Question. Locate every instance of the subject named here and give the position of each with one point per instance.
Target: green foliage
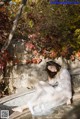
(77, 38)
(51, 27)
(57, 24)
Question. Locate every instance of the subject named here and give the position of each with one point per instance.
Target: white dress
(47, 97)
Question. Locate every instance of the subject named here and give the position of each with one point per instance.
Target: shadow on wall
(4, 107)
(74, 113)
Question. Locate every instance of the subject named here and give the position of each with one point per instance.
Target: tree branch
(7, 43)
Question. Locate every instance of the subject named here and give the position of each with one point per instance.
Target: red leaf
(53, 54)
(30, 46)
(72, 57)
(36, 61)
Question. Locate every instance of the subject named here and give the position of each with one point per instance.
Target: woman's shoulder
(64, 70)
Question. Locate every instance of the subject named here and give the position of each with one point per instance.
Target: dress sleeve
(65, 82)
(46, 87)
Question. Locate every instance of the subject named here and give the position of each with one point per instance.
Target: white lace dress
(49, 95)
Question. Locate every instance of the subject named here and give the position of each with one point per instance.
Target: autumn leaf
(53, 54)
(29, 46)
(36, 60)
(78, 55)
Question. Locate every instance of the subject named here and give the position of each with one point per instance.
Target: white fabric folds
(49, 96)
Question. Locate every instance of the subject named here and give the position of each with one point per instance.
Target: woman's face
(52, 68)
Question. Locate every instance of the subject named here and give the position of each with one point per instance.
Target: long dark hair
(52, 63)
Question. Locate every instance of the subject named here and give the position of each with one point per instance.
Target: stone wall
(20, 75)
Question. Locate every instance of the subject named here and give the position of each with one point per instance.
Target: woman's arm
(65, 82)
(47, 88)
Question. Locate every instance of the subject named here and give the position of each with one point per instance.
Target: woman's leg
(20, 109)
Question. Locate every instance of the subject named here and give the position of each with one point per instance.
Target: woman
(49, 95)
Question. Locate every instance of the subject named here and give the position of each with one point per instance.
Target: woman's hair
(52, 63)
